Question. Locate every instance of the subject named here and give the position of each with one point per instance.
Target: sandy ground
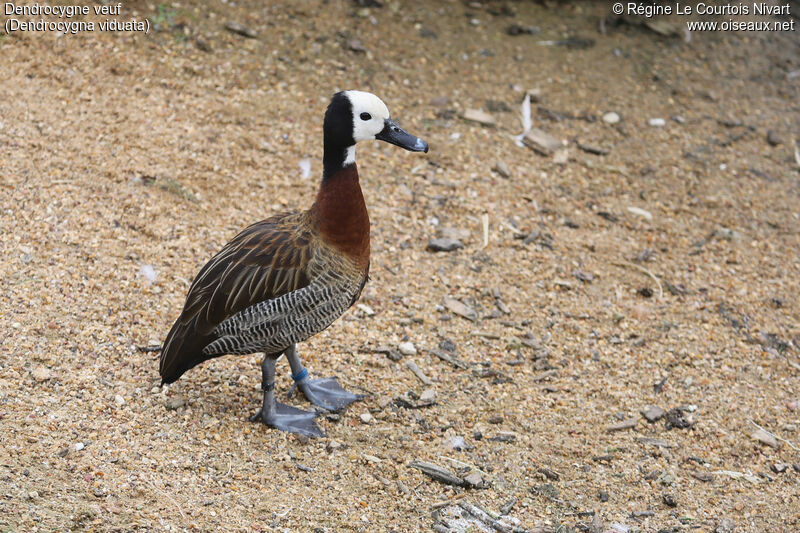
(127, 160)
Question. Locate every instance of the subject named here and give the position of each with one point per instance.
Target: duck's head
(355, 116)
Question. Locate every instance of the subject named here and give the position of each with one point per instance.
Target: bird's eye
(365, 116)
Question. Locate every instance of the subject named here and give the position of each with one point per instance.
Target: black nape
(337, 134)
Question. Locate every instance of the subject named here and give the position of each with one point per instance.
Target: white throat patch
(350, 155)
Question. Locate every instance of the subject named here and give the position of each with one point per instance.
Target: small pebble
(657, 122)
(611, 118)
(444, 245)
(765, 437)
(773, 138)
(174, 403)
(407, 348)
(502, 169)
(653, 414)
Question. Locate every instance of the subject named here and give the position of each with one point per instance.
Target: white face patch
(369, 113)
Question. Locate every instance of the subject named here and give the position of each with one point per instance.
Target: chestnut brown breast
(341, 215)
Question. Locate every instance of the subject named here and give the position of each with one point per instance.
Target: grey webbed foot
(288, 418)
(327, 393)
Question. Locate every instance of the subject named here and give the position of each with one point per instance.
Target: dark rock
(202, 45)
(517, 29)
(645, 292)
(669, 500)
(678, 418)
(779, 468)
(497, 106)
(444, 245)
(773, 138)
(239, 29)
(428, 34)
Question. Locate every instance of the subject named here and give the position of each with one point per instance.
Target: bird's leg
(324, 392)
(279, 416)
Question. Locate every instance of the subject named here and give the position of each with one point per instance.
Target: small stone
(647, 215)
(427, 396)
(240, 29)
(366, 418)
(33, 495)
(611, 118)
(726, 525)
(657, 122)
(773, 138)
(174, 403)
(705, 477)
(364, 308)
(459, 308)
(541, 142)
(501, 168)
(473, 480)
(677, 418)
(596, 526)
(203, 45)
(334, 445)
(518, 29)
(653, 413)
(592, 149)
(765, 437)
(497, 106)
(504, 436)
(119, 400)
(479, 116)
(444, 245)
(407, 348)
(440, 101)
(625, 424)
(779, 468)
(669, 500)
(666, 479)
(458, 443)
(356, 45)
(42, 373)
(603, 495)
(495, 419)
(549, 474)
(79, 446)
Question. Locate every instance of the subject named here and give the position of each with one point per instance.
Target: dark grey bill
(394, 134)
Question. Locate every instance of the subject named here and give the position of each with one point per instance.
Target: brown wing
(266, 260)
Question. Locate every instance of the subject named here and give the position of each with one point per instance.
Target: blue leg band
(300, 376)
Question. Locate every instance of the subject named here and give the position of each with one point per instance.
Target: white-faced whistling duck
(288, 277)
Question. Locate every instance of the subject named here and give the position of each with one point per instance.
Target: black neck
(333, 160)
